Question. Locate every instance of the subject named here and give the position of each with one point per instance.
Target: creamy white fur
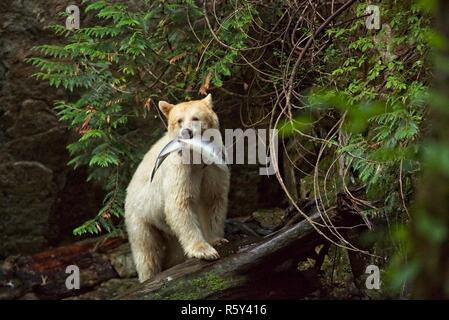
(182, 211)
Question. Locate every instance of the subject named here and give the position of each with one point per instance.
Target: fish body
(211, 153)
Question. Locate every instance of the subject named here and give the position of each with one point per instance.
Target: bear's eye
(179, 121)
(195, 119)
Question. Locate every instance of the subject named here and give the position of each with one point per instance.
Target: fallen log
(268, 269)
(43, 275)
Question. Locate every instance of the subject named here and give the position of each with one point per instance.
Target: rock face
(28, 193)
(35, 181)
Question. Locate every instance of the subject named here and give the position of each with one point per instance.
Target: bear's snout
(186, 133)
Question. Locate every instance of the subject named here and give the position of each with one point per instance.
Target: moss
(193, 288)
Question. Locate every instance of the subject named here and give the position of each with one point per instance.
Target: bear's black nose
(186, 134)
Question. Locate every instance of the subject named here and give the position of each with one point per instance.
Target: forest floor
(107, 270)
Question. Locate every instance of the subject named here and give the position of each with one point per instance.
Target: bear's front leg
(146, 245)
(185, 224)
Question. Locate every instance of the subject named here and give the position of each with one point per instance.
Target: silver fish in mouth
(210, 152)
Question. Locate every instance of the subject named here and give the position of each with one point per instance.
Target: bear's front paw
(202, 250)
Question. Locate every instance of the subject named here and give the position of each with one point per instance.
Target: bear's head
(187, 119)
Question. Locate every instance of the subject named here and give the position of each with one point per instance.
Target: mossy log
(267, 269)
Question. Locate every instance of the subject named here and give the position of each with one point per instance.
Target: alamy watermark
(72, 22)
(373, 279)
(72, 282)
(250, 146)
(372, 21)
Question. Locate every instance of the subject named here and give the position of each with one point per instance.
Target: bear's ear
(165, 107)
(208, 101)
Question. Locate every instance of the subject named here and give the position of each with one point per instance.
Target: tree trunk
(430, 223)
